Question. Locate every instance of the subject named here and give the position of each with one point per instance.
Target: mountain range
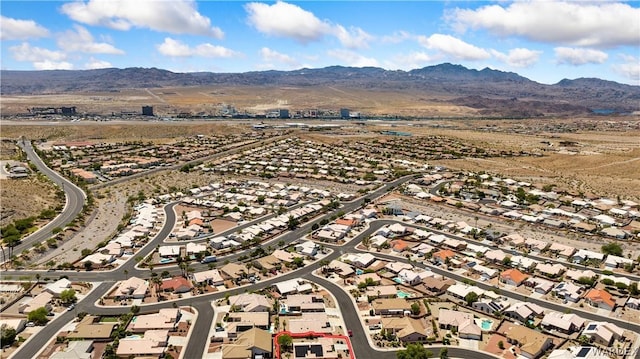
(494, 90)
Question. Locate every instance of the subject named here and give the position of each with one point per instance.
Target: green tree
(608, 281)
(471, 298)
(414, 351)
(38, 316)
(7, 335)
(612, 248)
(285, 341)
(633, 289)
(444, 353)
(415, 308)
(292, 223)
(68, 296)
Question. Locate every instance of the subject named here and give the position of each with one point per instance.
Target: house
(411, 277)
(490, 306)
(568, 291)
(443, 256)
(539, 285)
(253, 343)
(583, 255)
(562, 322)
(310, 322)
(41, 300)
(617, 262)
(513, 277)
(77, 349)
(166, 318)
(381, 291)
(250, 302)
(562, 250)
(169, 251)
(343, 269)
(550, 270)
(391, 306)
(578, 352)
(496, 255)
(406, 329)
(133, 287)
(532, 343)
(460, 290)
(151, 345)
(211, 277)
(176, 285)
(238, 322)
(461, 322)
(293, 286)
(603, 333)
(439, 285)
(307, 248)
(633, 303)
(396, 267)
(90, 328)
(576, 274)
(374, 278)
(360, 260)
(523, 311)
(57, 287)
(303, 303)
(600, 298)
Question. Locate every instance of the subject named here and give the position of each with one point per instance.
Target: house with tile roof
(406, 329)
(513, 277)
(600, 298)
(462, 322)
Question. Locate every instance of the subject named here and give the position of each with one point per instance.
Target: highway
(75, 198)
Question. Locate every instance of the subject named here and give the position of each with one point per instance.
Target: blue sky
(544, 40)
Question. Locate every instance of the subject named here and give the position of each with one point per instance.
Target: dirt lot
(22, 198)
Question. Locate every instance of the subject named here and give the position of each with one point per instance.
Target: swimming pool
(486, 324)
(359, 271)
(167, 260)
(398, 280)
(403, 294)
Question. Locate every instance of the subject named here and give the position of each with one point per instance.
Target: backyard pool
(167, 260)
(486, 324)
(403, 294)
(359, 271)
(398, 280)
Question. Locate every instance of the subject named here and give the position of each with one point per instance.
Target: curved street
(199, 338)
(75, 198)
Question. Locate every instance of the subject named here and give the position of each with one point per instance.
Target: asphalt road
(75, 199)
(199, 337)
(201, 328)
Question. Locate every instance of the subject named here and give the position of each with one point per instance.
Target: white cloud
(412, 60)
(175, 16)
(519, 57)
(453, 47)
(81, 40)
(269, 55)
(97, 64)
(579, 56)
(630, 68)
(396, 38)
(596, 24)
(352, 58)
(355, 38)
(42, 59)
(176, 48)
(16, 29)
(287, 20)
